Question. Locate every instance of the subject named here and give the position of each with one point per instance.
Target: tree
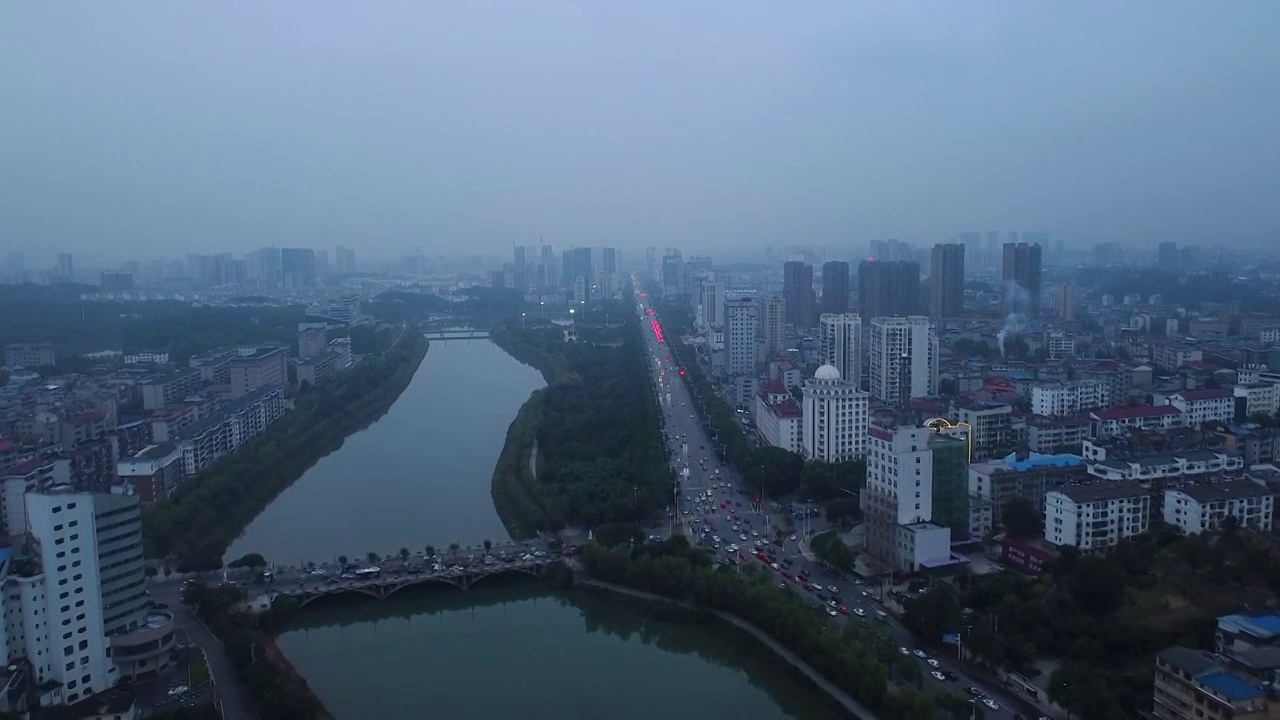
(430, 551)
(1097, 585)
(342, 560)
(373, 557)
(488, 545)
(404, 554)
(453, 547)
(1020, 517)
(832, 550)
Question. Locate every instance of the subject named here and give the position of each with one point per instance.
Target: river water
(419, 476)
(505, 647)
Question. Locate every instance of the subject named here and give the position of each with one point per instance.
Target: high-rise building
(840, 344)
(992, 255)
(1064, 302)
(674, 274)
(711, 304)
(835, 287)
(773, 322)
(835, 418)
(797, 293)
(888, 288)
(298, 267)
(82, 625)
(345, 260)
(1167, 257)
(897, 502)
(66, 270)
(742, 327)
(903, 359)
(1020, 272)
(946, 281)
(651, 263)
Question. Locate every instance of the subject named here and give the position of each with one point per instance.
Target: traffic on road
(719, 510)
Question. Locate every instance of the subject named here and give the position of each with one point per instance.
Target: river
(505, 647)
(516, 649)
(421, 475)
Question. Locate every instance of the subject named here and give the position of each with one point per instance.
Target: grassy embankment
(517, 496)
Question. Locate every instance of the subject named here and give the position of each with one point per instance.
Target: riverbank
(844, 699)
(209, 511)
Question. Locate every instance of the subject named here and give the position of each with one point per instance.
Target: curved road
(729, 516)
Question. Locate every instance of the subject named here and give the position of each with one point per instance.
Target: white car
(922, 654)
(859, 612)
(904, 651)
(933, 663)
(938, 676)
(991, 704)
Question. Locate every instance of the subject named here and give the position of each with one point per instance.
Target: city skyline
(384, 129)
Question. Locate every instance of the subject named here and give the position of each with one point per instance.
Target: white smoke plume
(1017, 305)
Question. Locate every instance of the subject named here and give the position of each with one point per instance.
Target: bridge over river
(457, 335)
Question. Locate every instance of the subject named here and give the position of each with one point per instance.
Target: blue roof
(1265, 625)
(1039, 461)
(1230, 687)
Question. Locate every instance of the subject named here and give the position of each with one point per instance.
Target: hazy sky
(132, 129)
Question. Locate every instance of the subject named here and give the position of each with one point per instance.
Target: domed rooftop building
(836, 415)
(827, 372)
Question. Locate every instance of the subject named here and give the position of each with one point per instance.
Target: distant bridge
(458, 335)
(383, 587)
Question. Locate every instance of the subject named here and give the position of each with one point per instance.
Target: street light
(523, 326)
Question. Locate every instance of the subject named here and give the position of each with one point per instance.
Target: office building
(29, 355)
(1167, 256)
(260, 367)
(742, 326)
(835, 287)
(797, 293)
(946, 281)
(66, 270)
(711, 304)
(344, 309)
(840, 344)
(345, 260)
(897, 502)
(83, 626)
(888, 288)
(773, 325)
(1020, 272)
(297, 268)
(1096, 516)
(312, 340)
(835, 417)
(1064, 302)
(903, 359)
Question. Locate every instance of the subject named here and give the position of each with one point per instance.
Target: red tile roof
(787, 410)
(1134, 413)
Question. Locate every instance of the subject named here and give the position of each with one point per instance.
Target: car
(793, 538)
(832, 588)
(933, 663)
(859, 612)
(991, 704)
(904, 651)
(972, 690)
(938, 676)
(922, 654)
(831, 612)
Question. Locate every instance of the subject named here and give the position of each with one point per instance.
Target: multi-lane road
(718, 509)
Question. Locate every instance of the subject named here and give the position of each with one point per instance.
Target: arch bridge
(385, 586)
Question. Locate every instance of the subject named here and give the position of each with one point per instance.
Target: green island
(201, 520)
(594, 434)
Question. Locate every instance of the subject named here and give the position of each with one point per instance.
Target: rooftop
(1223, 490)
(1231, 687)
(1135, 412)
(1203, 394)
(1100, 491)
(1263, 626)
(1037, 460)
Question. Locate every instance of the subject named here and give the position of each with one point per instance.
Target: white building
(710, 304)
(1258, 398)
(903, 359)
(1110, 422)
(1059, 399)
(1096, 516)
(778, 417)
(82, 625)
(898, 502)
(840, 344)
(1060, 345)
(1195, 508)
(147, 357)
(742, 326)
(1201, 406)
(835, 418)
(773, 323)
